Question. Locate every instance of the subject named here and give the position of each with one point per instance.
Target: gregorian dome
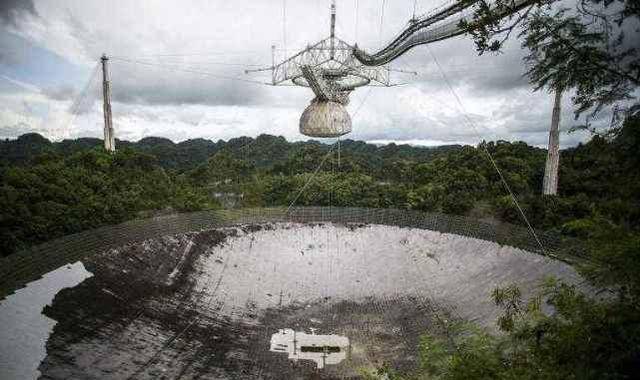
(325, 119)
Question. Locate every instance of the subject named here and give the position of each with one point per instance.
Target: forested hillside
(263, 151)
(52, 189)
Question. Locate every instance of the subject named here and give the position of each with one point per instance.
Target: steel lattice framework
(328, 67)
(334, 57)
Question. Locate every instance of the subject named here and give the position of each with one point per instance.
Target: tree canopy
(591, 48)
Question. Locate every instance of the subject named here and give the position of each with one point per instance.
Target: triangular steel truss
(329, 67)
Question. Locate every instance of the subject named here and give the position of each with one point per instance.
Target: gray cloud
(16, 130)
(64, 92)
(168, 78)
(11, 47)
(10, 10)
(489, 73)
(222, 38)
(153, 85)
(254, 26)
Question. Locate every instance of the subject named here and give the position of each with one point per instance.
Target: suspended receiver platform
(331, 70)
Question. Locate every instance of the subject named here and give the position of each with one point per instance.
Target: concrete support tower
(550, 181)
(109, 135)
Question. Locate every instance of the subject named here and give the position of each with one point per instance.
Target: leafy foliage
(56, 196)
(581, 339)
(573, 336)
(591, 48)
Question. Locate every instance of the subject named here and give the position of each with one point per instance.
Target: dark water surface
(24, 330)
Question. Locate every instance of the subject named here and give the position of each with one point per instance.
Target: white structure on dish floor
(322, 349)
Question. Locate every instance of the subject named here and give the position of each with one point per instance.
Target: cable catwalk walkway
(435, 26)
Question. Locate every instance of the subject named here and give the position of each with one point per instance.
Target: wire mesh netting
(18, 269)
(315, 292)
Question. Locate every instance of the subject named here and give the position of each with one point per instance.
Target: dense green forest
(53, 189)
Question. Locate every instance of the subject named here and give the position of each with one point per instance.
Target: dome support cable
(315, 172)
(284, 25)
(470, 122)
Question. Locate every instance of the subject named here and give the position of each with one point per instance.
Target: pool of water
(24, 330)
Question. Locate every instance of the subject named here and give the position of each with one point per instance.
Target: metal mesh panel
(25, 266)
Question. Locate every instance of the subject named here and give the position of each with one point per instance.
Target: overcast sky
(49, 49)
